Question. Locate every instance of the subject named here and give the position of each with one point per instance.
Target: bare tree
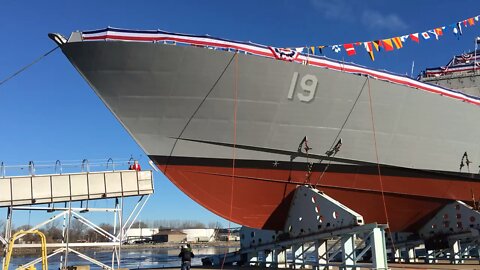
(92, 235)
(77, 230)
(52, 224)
(53, 234)
(139, 224)
(29, 238)
(180, 224)
(2, 227)
(53, 231)
(214, 225)
(2, 231)
(107, 227)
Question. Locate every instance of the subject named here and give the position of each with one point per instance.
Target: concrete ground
(392, 266)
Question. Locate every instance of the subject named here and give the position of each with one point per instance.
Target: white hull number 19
(308, 84)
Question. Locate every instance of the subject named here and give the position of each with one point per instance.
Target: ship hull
(190, 108)
(402, 197)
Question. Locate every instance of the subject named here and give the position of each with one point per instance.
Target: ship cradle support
(319, 233)
(452, 235)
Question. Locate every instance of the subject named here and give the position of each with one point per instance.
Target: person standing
(135, 166)
(186, 255)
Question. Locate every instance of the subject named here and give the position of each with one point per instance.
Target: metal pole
(475, 57)
(2, 169)
(64, 226)
(120, 218)
(68, 233)
(114, 233)
(411, 72)
(8, 233)
(138, 213)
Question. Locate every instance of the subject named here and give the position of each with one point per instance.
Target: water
(131, 258)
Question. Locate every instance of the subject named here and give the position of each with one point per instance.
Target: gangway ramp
(53, 188)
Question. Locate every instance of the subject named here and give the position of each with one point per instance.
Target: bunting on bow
(457, 30)
(369, 49)
(398, 42)
(433, 33)
(284, 54)
(436, 32)
(336, 48)
(320, 49)
(349, 49)
(404, 38)
(471, 22)
(377, 44)
(414, 37)
(387, 44)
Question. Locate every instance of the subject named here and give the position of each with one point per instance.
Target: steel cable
(27, 66)
(196, 110)
(338, 134)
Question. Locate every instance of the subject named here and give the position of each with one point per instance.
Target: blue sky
(50, 113)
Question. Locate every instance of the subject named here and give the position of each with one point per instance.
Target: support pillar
(298, 255)
(411, 257)
(379, 252)
(281, 258)
(262, 258)
(252, 258)
(321, 255)
(8, 233)
(430, 256)
(348, 252)
(270, 258)
(67, 235)
(455, 253)
(397, 255)
(313, 219)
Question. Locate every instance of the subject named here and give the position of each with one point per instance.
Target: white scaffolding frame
(68, 214)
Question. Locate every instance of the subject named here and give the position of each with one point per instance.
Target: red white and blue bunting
(293, 55)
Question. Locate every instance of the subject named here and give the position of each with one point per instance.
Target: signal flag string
(27, 66)
(393, 43)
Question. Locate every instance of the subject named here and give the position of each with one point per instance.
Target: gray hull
(155, 89)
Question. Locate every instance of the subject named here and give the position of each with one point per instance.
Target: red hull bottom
(260, 197)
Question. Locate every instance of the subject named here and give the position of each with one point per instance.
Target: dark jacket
(186, 255)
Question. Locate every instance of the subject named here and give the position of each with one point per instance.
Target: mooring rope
(27, 66)
(378, 165)
(234, 152)
(338, 134)
(196, 110)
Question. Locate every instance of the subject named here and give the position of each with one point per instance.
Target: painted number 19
(308, 84)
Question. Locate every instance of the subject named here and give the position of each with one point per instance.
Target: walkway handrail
(85, 165)
(31, 167)
(131, 160)
(2, 169)
(58, 167)
(113, 164)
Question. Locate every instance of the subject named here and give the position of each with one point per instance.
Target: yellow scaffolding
(20, 234)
